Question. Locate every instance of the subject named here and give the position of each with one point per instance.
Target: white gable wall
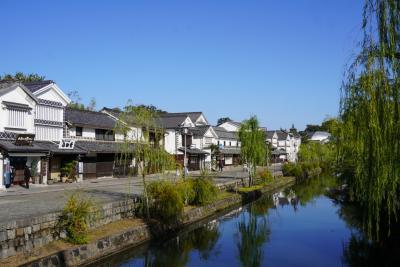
(19, 96)
(53, 93)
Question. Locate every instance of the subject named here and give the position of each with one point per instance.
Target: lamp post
(185, 131)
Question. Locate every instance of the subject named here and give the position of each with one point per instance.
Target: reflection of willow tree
(359, 250)
(311, 188)
(253, 232)
(175, 253)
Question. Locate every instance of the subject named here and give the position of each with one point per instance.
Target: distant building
(320, 136)
(285, 145)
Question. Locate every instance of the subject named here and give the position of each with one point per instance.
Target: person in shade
(27, 176)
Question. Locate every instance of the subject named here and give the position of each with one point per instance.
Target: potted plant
(68, 172)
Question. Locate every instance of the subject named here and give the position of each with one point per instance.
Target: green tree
(143, 142)
(222, 120)
(21, 77)
(92, 104)
(253, 146)
(370, 110)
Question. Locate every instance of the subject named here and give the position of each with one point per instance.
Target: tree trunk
(250, 175)
(146, 197)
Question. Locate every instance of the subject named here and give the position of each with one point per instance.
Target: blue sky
(280, 60)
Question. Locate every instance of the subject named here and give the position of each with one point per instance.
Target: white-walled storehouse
(190, 130)
(229, 145)
(285, 145)
(31, 124)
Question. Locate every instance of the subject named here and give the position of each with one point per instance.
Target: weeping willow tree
(143, 145)
(370, 137)
(253, 149)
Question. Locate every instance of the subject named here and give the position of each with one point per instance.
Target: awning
(10, 147)
(53, 147)
(194, 151)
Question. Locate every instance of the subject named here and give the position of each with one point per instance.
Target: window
(78, 131)
(224, 143)
(105, 135)
(17, 118)
(230, 143)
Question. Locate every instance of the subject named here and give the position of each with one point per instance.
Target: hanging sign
(24, 139)
(66, 144)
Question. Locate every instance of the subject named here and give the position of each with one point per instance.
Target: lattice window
(17, 118)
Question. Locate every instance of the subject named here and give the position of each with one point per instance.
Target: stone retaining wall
(21, 236)
(104, 247)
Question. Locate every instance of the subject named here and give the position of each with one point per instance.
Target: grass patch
(251, 188)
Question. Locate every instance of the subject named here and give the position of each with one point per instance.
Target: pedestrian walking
(221, 165)
(27, 176)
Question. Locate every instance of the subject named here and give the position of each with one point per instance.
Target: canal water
(299, 226)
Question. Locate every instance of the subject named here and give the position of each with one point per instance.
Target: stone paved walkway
(18, 202)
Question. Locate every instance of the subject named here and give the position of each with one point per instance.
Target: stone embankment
(33, 242)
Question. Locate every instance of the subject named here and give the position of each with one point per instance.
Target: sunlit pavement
(18, 202)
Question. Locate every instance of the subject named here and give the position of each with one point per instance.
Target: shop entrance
(18, 165)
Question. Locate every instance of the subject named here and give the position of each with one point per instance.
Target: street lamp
(185, 131)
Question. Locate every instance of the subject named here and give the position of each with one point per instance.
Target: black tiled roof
(4, 85)
(9, 146)
(100, 146)
(194, 151)
(89, 118)
(53, 148)
(172, 120)
(282, 135)
(192, 115)
(199, 130)
(35, 86)
(224, 134)
(269, 134)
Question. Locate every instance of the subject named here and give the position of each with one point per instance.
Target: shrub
(75, 217)
(166, 203)
(185, 190)
(69, 170)
(204, 189)
(265, 176)
(290, 169)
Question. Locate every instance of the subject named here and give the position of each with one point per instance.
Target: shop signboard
(66, 144)
(24, 139)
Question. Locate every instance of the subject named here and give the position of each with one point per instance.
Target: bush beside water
(167, 199)
(75, 217)
(166, 202)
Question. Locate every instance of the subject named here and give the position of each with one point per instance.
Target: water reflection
(317, 228)
(253, 232)
(176, 252)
